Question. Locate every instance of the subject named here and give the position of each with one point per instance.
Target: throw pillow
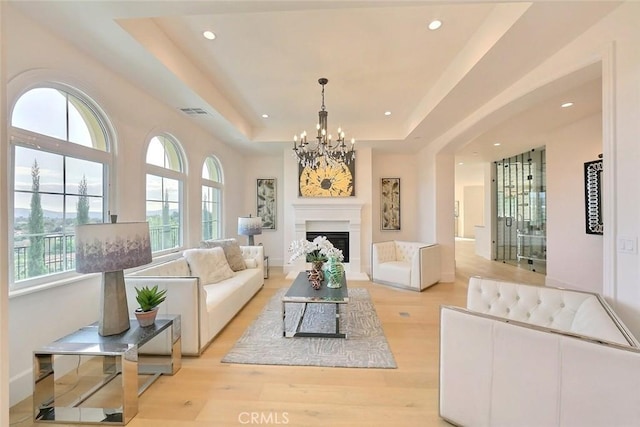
(231, 250)
(210, 265)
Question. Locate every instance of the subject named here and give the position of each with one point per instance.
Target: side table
(105, 392)
(266, 266)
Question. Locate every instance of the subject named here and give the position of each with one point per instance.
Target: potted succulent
(149, 299)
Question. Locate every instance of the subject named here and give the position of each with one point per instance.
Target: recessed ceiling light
(387, 113)
(460, 163)
(209, 35)
(567, 104)
(496, 144)
(435, 24)
(265, 116)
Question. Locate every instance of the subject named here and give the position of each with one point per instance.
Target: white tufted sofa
(411, 265)
(522, 355)
(204, 308)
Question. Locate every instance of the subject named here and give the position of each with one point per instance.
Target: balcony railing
(60, 253)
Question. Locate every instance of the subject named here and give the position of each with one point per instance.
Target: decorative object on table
(266, 202)
(593, 196)
(315, 276)
(325, 168)
(390, 204)
(249, 226)
(317, 252)
(149, 299)
(333, 272)
(109, 248)
(320, 249)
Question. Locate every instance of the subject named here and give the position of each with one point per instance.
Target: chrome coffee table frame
(301, 291)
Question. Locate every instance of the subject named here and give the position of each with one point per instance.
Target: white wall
(387, 165)
(472, 209)
(32, 54)
(622, 161)
(568, 245)
(436, 197)
(267, 167)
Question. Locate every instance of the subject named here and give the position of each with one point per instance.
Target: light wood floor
(208, 393)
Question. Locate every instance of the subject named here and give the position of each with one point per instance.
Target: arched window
(61, 158)
(212, 186)
(165, 178)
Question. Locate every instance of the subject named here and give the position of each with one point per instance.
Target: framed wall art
(327, 179)
(266, 202)
(593, 196)
(390, 204)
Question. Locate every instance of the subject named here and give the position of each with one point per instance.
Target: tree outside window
(164, 193)
(58, 184)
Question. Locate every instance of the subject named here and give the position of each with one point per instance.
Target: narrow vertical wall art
(266, 202)
(593, 196)
(390, 204)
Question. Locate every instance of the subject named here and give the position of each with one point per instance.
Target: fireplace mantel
(332, 217)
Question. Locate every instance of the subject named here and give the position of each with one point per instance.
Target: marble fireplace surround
(332, 217)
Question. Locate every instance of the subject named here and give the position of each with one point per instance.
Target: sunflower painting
(390, 204)
(327, 179)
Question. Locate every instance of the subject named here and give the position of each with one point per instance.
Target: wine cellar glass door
(521, 220)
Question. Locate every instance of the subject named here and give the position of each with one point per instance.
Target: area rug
(365, 346)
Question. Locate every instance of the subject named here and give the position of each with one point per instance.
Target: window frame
(20, 137)
(166, 172)
(216, 185)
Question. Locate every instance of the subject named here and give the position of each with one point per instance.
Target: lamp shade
(112, 246)
(249, 226)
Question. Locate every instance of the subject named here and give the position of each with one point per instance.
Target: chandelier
(324, 150)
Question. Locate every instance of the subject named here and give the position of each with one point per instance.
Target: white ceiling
(378, 56)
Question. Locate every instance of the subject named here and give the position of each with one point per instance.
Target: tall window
(60, 154)
(165, 177)
(212, 184)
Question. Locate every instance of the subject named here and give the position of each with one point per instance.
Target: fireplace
(324, 218)
(339, 239)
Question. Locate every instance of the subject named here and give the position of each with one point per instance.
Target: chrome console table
(92, 379)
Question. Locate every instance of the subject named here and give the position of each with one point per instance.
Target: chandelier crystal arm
(311, 155)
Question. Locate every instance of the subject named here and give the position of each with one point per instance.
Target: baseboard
(20, 387)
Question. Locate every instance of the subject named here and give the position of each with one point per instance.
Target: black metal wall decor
(593, 196)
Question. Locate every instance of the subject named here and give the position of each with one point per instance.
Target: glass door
(521, 222)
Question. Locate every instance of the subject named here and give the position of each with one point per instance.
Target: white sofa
(523, 355)
(204, 308)
(411, 265)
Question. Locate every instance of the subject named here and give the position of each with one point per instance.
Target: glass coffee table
(302, 294)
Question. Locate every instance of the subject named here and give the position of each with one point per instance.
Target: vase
(333, 272)
(316, 275)
(146, 318)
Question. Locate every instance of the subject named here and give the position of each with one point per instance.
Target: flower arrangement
(320, 249)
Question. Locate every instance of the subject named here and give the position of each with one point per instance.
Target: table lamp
(249, 226)
(110, 248)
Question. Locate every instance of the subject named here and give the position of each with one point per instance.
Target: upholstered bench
(524, 355)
